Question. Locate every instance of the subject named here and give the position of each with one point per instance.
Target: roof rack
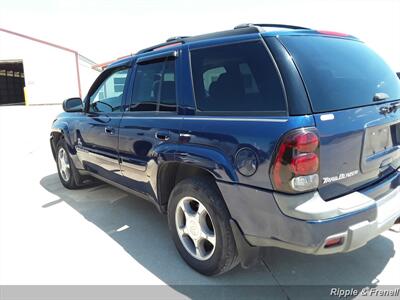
(169, 42)
(175, 38)
(245, 25)
(238, 30)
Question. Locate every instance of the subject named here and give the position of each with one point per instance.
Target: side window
(168, 87)
(108, 96)
(250, 84)
(154, 86)
(236, 78)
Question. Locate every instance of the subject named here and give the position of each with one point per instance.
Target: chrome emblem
(340, 177)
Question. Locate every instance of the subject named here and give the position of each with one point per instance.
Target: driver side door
(98, 133)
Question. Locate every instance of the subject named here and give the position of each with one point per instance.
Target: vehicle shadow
(146, 238)
(358, 269)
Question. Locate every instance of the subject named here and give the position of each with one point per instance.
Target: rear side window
(154, 86)
(341, 73)
(236, 78)
(168, 88)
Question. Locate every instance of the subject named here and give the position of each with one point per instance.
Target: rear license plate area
(377, 139)
(395, 129)
(381, 147)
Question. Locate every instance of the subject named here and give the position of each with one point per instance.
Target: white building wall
(50, 73)
(88, 76)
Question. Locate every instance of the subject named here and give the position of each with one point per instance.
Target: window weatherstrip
(149, 58)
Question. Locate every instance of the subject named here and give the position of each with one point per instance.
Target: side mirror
(73, 105)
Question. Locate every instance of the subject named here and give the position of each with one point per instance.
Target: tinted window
(154, 85)
(210, 76)
(168, 88)
(341, 73)
(108, 96)
(239, 77)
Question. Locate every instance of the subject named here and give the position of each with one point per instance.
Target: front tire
(198, 220)
(67, 172)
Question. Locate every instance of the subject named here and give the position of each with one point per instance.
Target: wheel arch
(171, 173)
(190, 161)
(55, 137)
(59, 130)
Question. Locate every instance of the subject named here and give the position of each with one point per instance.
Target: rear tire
(67, 172)
(198, 220)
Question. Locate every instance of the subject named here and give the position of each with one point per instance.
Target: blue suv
(264, 135)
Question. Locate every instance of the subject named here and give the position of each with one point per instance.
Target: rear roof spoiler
(261, 25)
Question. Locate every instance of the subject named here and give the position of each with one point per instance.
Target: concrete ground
(103, 236)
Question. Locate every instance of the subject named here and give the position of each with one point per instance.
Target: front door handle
(162, 135)
(109, 130)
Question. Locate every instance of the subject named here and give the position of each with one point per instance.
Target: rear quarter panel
(227, 135)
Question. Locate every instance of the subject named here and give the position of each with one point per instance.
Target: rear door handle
(162, 135)
(109, 130)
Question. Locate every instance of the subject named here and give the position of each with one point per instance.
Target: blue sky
(103, 29)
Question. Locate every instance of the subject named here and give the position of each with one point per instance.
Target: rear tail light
(296, 164)
(305, 164)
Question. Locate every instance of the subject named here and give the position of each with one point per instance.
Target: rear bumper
(266, 219)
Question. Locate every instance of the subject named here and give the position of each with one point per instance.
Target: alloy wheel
(195, 228)
(63, 165)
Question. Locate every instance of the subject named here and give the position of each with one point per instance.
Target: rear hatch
(355, 98)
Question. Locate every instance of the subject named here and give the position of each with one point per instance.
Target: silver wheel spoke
(197, 244)
(198, 252)
(209, 237)
(182, 205)
(66, 163)
(201, 211)
(199, 249)
(182, 230)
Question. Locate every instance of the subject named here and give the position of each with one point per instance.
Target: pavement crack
(275, 278)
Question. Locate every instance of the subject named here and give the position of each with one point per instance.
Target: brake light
(305, 164)
(334, 33)
(307, 142)
(296, 164)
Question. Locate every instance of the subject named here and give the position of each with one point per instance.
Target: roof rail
(245, 25)
(170, 42)
(238, 30)
(176, 38)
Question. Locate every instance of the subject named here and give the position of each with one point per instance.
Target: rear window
(341, 73)
(236, 78)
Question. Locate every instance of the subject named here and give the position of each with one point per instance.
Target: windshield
(341, 73)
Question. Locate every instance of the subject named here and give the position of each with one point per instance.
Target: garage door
(12, 82)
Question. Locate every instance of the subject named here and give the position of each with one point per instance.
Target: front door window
(108, 96)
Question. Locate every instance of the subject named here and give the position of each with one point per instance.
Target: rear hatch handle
(380, 97)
